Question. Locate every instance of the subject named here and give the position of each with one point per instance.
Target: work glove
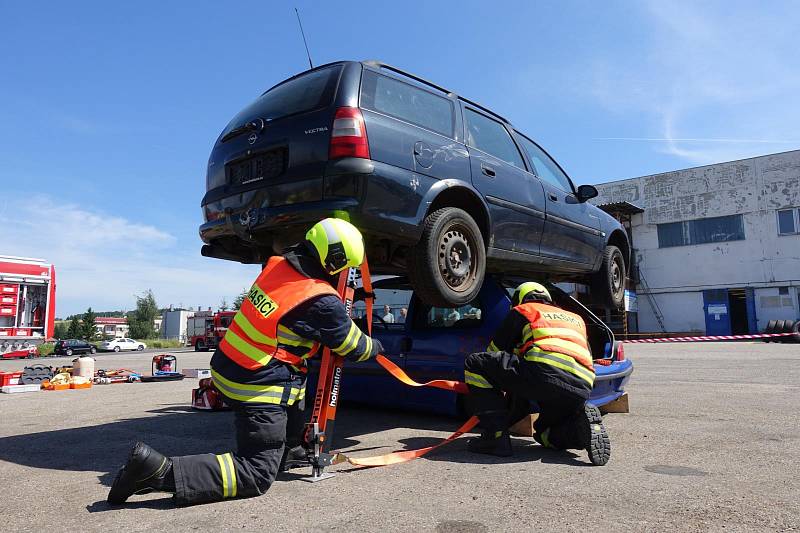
(377, 347)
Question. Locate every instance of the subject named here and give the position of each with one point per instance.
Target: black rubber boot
(599, 447)
(584, 431)
(146, 471)
(295, 457)
(492, 443)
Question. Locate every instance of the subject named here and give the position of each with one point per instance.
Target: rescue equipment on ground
(35, 375)
(164, 368)
(83, 367)
(207, 397)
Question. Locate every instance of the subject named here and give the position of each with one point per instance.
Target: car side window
(466, 316)
(406, 102)
(545, 167)
(491, 137)
(389, 312)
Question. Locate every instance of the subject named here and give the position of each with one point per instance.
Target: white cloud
(102, 259)
(715, 81)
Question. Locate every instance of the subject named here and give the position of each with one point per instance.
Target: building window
(701, 231)
(789, 221)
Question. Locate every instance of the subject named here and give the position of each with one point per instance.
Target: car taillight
(348, 134)
(620, 355)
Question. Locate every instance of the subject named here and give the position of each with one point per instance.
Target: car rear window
(404, 101)
(305, 93)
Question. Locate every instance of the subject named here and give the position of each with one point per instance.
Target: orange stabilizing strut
(319, 432)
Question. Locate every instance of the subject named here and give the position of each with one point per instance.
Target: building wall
(755, 188)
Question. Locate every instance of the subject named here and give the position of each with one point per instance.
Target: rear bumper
(376, 197)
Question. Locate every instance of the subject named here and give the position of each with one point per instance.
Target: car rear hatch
(274, 151)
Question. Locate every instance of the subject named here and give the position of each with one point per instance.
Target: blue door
(752, 319)
(717, 311)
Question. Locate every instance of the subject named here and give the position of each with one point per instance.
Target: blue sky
(108, 110)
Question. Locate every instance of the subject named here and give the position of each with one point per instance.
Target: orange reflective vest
(255, 335)
(556, 337)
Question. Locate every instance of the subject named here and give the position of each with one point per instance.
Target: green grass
(162, 343)
(45, 348)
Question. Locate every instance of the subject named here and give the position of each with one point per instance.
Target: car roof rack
(448, 92)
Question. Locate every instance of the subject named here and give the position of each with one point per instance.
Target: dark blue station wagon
(443, 189)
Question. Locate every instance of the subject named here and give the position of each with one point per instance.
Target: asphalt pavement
(711, 443)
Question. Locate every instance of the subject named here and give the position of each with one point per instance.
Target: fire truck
(205, 329)
(27, 305)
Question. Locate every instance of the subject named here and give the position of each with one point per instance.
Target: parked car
(73, 346)
(442, 188)
(433, 343)
(122, 344)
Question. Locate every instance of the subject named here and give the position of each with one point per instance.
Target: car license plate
(263, 166)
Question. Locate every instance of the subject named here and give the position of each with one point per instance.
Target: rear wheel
(116, 348)
(447, 265)
(200, 346)
(93, 350)
(68, 352)
(608, 284)
(140, 348)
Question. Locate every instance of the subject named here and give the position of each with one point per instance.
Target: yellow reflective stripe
(249, 393)
(566, 345)
(476, 380)
(301, 394)
(347, 344)
(251, 331)
(232, 470)
(223, 470)
(559, 332)
(364, 356)
(289, 338)
(492, 347)
(564, 362)
(527, 333)
(250, 351)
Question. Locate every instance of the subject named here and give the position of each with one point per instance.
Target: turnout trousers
(528, 390)
(261, 436)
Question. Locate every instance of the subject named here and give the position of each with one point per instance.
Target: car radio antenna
(310, 64)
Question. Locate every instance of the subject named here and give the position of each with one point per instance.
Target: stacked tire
(783, 326)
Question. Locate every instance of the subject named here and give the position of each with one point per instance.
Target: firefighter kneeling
(540, 355)
(260, 368)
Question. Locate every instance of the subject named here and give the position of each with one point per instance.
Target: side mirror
(586, 192)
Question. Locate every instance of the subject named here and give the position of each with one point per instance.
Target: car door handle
(552, 197)
(489, 171)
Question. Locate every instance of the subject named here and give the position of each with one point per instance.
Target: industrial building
(716, 248)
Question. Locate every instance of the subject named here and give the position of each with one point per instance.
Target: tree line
(140, 321)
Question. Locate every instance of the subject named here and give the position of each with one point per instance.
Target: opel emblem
(252, 139)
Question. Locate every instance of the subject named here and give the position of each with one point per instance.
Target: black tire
(770, 326)
(796, 331)
(608, 283)
(140, 348)
(788, 327)
(117, 348)
(779, 324)
(200, 346)
(68, 353)
(447, 265)
(92, 350)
